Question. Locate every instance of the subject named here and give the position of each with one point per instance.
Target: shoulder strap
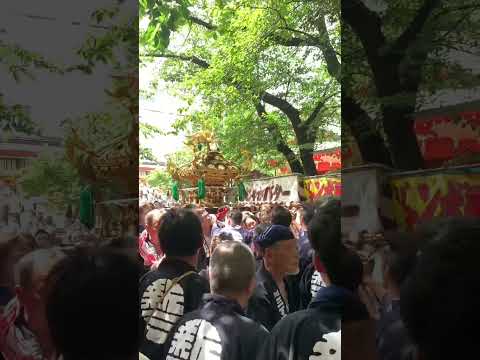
(174, 282)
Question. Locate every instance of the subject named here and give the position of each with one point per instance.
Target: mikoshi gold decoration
(115, 161)
(208, 165)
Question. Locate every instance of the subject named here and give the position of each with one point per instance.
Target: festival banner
(420, 198)
(321, 186)
(328, 160)
(274, 189)
(442, 138)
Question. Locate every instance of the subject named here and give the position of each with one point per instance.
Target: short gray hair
(232, 268)
(154, 216)
(36, 263)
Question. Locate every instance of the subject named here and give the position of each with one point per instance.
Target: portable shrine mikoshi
(209, 166)
(215, 196)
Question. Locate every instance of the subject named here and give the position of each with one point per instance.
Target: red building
(145, 168)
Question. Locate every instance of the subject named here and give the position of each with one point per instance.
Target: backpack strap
(174, 282)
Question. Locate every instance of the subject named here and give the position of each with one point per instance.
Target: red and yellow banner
(417, 199)
(318, 187)
(442, 138)
(328, 160)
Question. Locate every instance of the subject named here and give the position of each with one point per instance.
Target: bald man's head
(232, 268)
(153, 218)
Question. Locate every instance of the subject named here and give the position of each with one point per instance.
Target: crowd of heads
(53, 295)
(430, 271)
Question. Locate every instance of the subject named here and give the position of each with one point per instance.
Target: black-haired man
(439, 300)
(219, 330)
(92, 306)
(281, 216)
(175, 288)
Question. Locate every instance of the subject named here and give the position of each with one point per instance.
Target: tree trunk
(306, 144)
(396, 66)
(280, 143)
(402, 140)
(397, 114)
(309, 167)
(370, 143)
(293, 161)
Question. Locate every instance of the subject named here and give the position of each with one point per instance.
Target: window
(22, 163)
(13, 164)
(8, 164)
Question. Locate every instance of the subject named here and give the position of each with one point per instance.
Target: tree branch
(370, 142)
(409, 35)
(322, 42)
(201, 22)
(193, 59)
(307, 123)
(296, 41)
(298, 32)
(288, 109)
(367, 26)
(197, 20)
(328, 52)
(280, 143)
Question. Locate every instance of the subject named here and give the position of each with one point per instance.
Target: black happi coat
(217, 331)
(393, 341)
(309, 334)
(267, 305)
(310, 283)
(157, 319)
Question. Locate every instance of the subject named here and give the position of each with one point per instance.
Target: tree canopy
(160, 179)
(54, 178)
(252, 71)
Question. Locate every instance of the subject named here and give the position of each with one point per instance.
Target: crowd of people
(274, 281)
(154, 196)
(58, 301)
(36, 220)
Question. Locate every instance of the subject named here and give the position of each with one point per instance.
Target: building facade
(147, 167)
(17, 151)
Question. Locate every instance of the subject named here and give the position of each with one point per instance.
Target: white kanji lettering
(328, 348)
(281, 306)
(142, 357)
(196, 339)
(316, 284)
(161, 317)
